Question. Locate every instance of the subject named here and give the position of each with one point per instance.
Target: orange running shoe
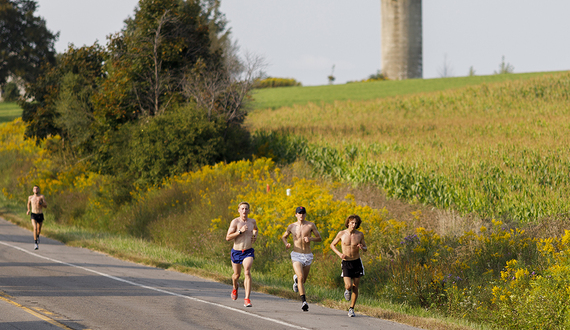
(247, 303)
(234, 294)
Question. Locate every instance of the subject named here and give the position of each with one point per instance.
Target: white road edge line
(156, 289)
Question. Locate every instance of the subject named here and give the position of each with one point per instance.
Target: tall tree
(82, 71)
(25, 41)
(127, 107)
(62, 94)
(150, 57)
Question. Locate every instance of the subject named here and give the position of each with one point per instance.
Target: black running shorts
(39, 217)
(352, 268)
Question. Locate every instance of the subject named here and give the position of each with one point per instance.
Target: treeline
(166, 95)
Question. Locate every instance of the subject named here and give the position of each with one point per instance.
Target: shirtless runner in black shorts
(352, 268)
(36, 203)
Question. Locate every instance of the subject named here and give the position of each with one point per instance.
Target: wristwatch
(239, 231)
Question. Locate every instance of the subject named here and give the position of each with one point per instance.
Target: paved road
(62, 287)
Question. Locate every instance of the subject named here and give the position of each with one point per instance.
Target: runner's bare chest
(352, 239)
(300, 231)
(37, 203)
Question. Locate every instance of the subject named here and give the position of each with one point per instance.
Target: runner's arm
(254, 232)
(284, 238)
(232, 231)
(362, 244)
(335, 242)
(317, 237)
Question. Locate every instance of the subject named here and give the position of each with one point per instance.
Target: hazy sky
(303, 39)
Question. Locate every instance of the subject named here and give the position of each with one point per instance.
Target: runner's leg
(35, 228)
(347, 283)
(298, 268)
(236, 274)
(306, 270)
(354, 291)
(247, 263)
(39, 227)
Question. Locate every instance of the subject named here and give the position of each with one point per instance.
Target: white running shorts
(306, 259)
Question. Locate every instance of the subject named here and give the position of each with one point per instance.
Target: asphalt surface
(62, 287)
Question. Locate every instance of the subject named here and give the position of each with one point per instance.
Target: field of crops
(496, 150)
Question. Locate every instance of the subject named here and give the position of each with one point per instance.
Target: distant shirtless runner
(36, 203)
(301, 256)
(243, 231)
(352, 268)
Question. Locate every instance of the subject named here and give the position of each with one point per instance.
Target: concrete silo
(401, 39)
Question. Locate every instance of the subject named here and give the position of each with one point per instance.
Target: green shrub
(236, 144)
(282, 148)
(276, 82)
(378, 76)
(174, 143)
(147, 152)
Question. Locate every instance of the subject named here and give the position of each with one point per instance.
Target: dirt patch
(442, 222)
(554, 226)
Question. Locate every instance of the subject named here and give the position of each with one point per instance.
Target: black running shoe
(305, 306)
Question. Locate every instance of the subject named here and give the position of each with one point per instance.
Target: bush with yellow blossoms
(273, 207)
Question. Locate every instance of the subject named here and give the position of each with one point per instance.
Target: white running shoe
(305, 306)
(36, 246)
(295, 286)
(351, 312)
(347, 295)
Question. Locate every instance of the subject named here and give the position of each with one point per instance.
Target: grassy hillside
(497, 150)
(9, 111)
(274, 98)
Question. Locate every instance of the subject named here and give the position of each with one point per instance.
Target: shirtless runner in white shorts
(302, 257)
